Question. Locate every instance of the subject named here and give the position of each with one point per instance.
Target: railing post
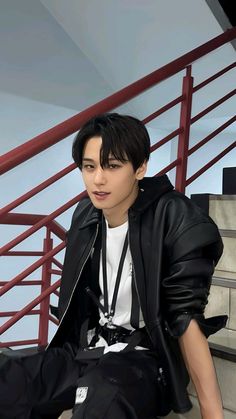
(46, 282)
(183, 140)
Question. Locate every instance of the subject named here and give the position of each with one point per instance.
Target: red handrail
(12, 313)
(32, 219)
(213, 106)
(212, 135)
(211, 163)
(19, 343)
(214, 77)
(166, 139)
(43, 222)
(36, 189)
(29, 307)
(165, 108)
(10, 284)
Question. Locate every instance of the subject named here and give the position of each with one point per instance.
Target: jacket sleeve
(187, 278)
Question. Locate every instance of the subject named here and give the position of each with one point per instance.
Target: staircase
(222, 300)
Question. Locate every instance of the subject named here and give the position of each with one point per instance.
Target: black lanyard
(135, 309)
(109, 314)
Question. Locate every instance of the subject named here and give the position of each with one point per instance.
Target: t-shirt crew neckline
(118, 229)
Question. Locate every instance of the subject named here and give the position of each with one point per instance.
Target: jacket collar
(93, 216)
(150, 189)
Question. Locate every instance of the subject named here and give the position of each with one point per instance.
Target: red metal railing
(52, 136)
(46, 261)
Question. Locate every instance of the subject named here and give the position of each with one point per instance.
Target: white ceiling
(73, 53)
(128, 39)
(40, 61)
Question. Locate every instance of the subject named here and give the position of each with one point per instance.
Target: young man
(136, 277)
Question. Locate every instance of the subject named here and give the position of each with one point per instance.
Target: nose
(99, 176)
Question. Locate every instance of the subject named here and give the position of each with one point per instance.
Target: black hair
(123, 137)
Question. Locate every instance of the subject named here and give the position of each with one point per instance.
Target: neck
(115, 220)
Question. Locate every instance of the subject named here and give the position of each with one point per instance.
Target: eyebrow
(91, 160)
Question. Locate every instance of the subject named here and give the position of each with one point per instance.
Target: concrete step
(222, 209)
(195, 412)
(224, 278)
(225, 338)
(222, 298)
(66, 415)
(226, 373)
(227, 261)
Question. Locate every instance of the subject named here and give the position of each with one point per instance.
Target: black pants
(117, 386)
(37, 386)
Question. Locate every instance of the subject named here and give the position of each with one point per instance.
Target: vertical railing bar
(185, 123)
(46, 282)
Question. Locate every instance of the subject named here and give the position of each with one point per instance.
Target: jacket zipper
(76, 283)
(135, 283)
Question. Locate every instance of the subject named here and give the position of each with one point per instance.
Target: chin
(98, 205)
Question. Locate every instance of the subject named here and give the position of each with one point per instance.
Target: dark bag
(131, 382)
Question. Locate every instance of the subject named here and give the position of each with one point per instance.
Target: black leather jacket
(174, 248)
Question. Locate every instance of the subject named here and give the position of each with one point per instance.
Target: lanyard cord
(105, 310)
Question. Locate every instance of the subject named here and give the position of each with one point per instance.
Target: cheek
(85, 179)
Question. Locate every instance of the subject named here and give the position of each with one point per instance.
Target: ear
(141, 171)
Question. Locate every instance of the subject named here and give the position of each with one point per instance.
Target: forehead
(98, 150)
(92, 146)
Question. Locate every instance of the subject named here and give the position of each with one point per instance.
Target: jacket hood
(150, 189)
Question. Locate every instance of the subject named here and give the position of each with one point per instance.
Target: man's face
(114, 188)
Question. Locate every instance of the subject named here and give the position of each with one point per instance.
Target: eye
(113, 166)
(87, 166)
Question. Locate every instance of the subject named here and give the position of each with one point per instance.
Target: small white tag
(81, 394)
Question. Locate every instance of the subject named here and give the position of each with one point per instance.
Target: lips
(100, 195)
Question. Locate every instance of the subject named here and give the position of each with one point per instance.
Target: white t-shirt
(114, 245)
